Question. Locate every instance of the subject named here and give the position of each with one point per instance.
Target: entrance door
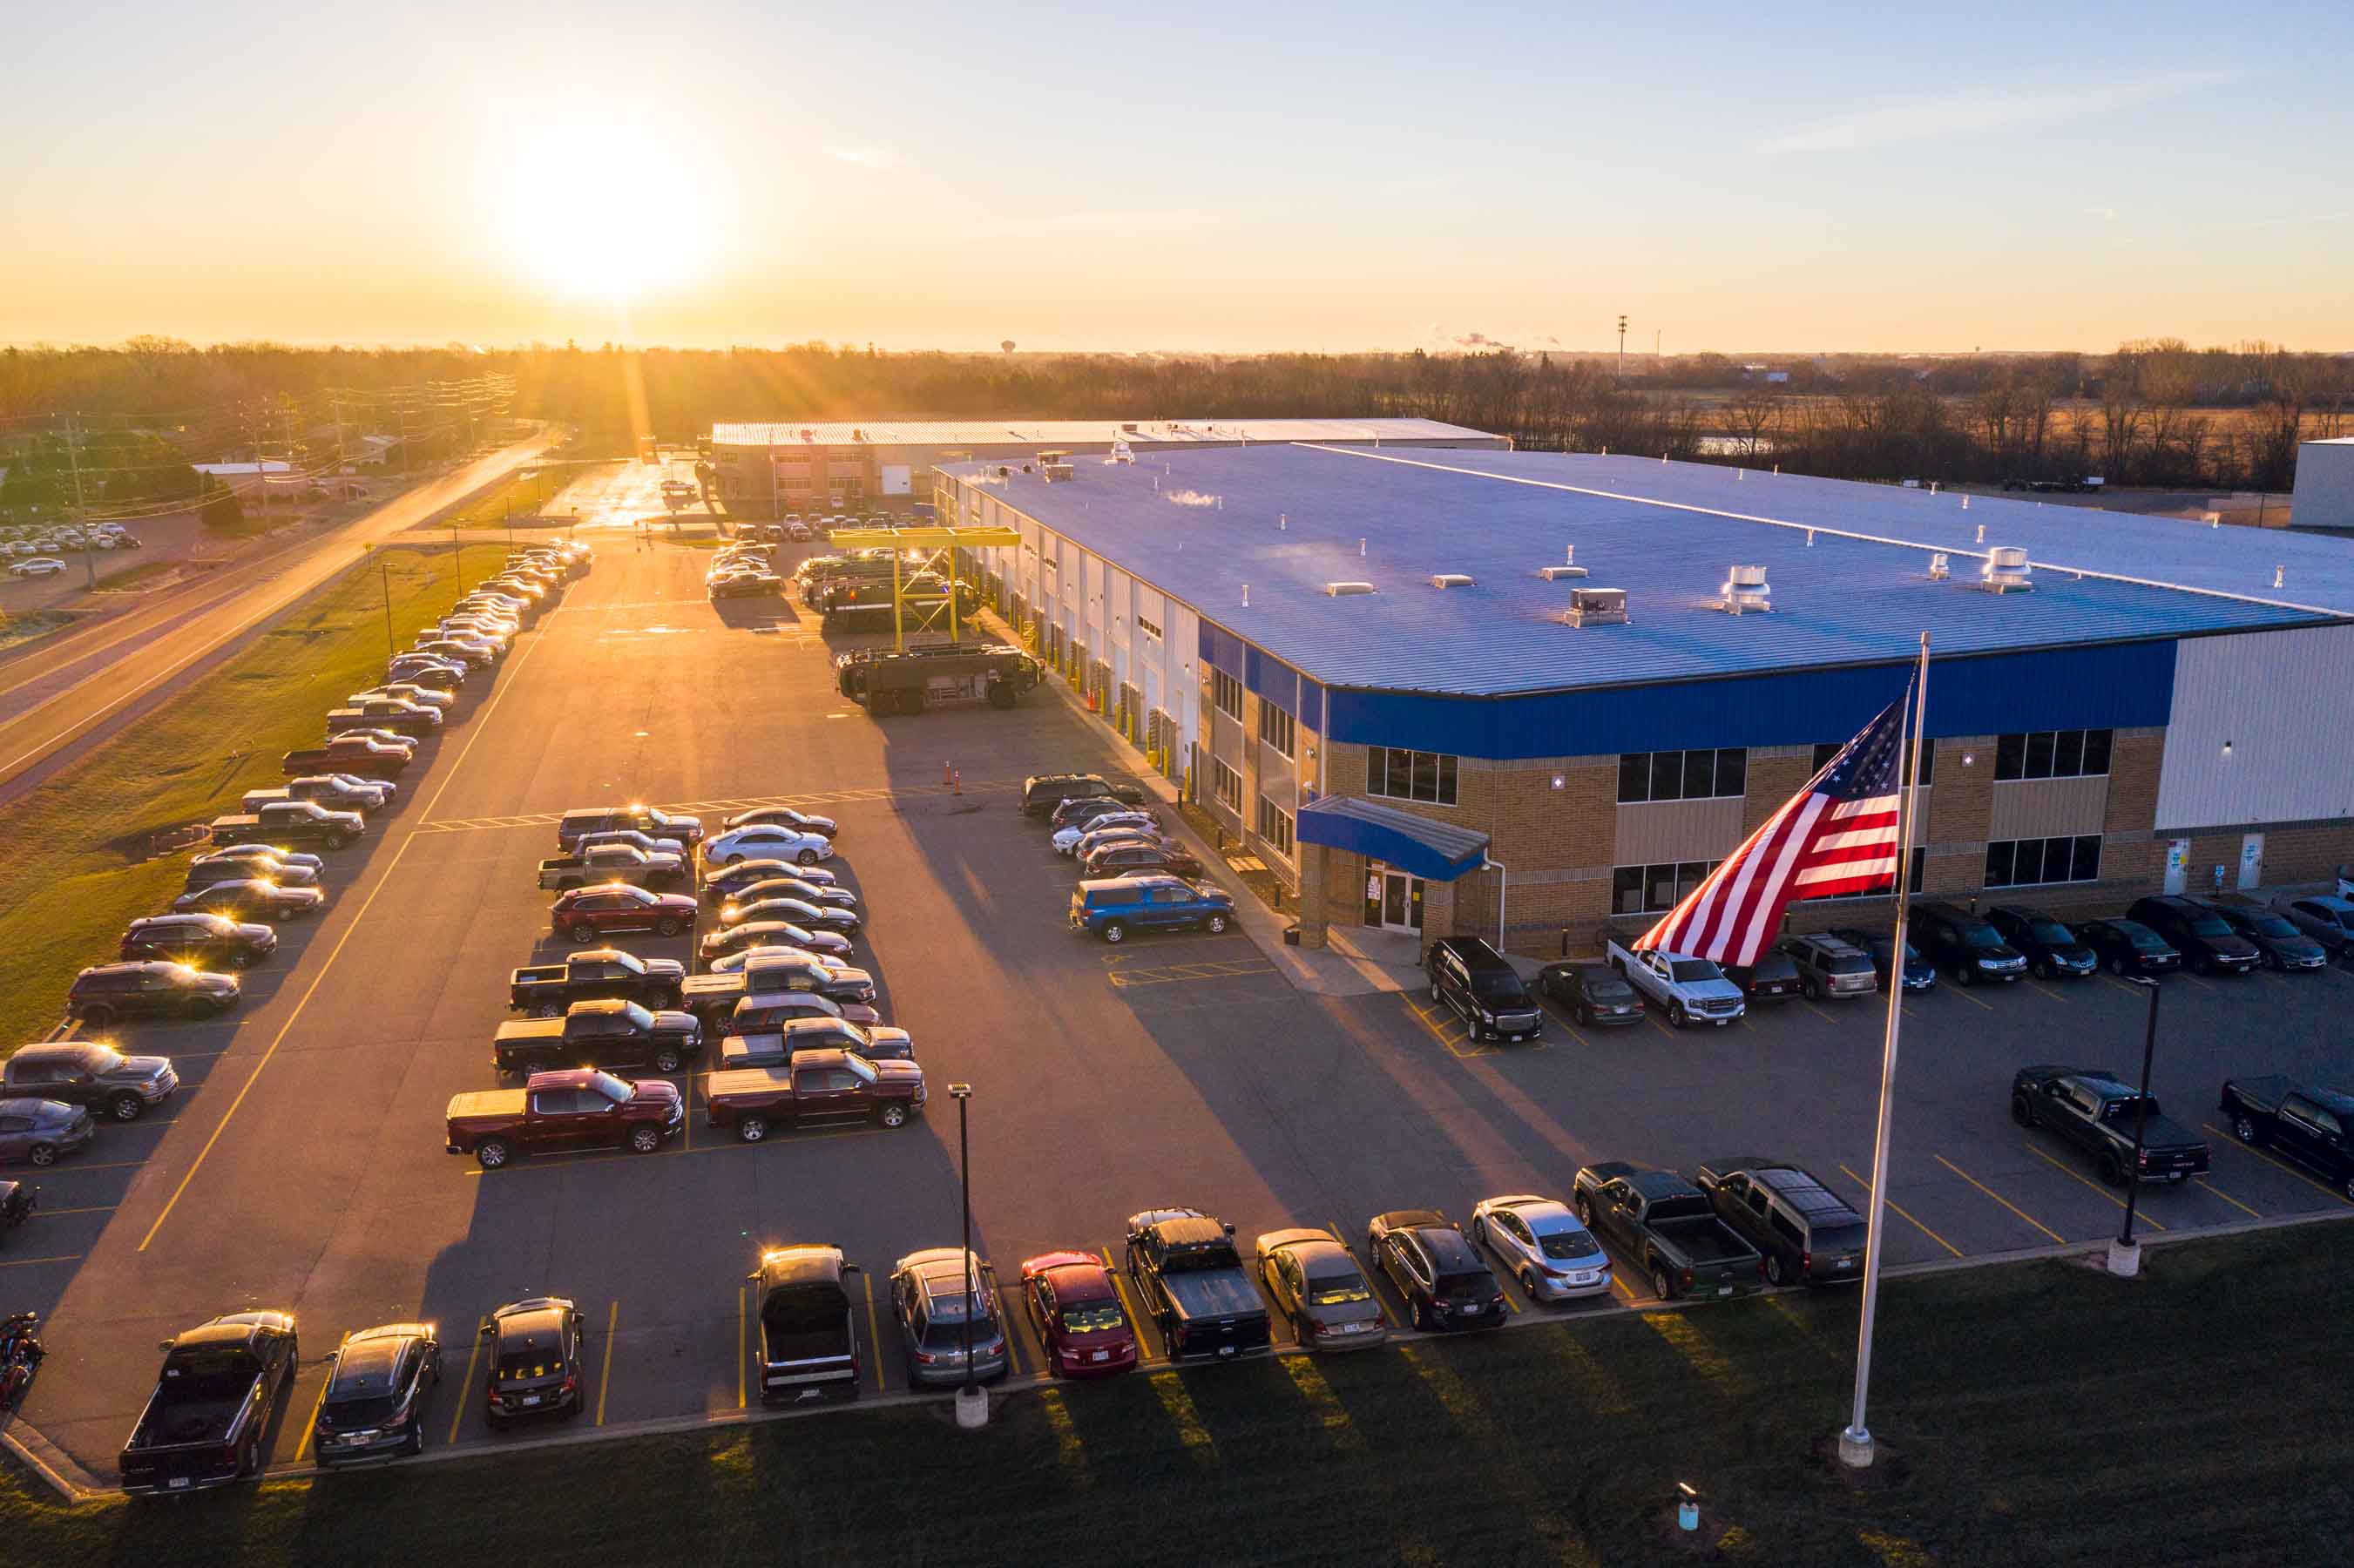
(1392, 900)
(2178, 861)
(2252, 861)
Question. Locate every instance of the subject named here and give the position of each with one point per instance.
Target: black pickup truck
(595, 974)
(2314, 1126)
(2095, 1110)
(1667, 1226)
(809, 1335)
(296, 822)
(205, 1423)
(603, 1033)
(1194, 1287)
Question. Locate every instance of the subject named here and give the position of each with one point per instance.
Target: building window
(1149, 630)
(1920, 864)
(1226, 693)
(1825, 752)
(1278, 728)
(1275, 827)
(2054, 754)
(1410, 775)
(1655, 889)
(2030, 863)
(1227, 785)
(1684, 775)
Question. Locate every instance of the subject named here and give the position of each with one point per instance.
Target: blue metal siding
(1222, 650)
(2124, 686)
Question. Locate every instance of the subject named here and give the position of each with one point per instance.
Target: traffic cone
(948, 774)
(957, 779)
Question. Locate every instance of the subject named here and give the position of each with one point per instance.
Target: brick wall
(2130, 851)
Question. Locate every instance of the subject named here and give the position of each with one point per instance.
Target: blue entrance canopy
(1436, 852)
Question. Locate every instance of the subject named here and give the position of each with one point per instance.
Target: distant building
(271, 469)
(2325, 485)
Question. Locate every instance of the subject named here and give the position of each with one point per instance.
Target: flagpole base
(1855, 1449)
(2125, 1258)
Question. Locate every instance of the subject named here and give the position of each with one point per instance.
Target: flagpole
(1855, 1445)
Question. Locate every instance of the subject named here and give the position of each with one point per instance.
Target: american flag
(1836, 835)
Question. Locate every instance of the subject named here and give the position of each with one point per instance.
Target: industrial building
(1447, 691)
(2324, 496)
(769, 470)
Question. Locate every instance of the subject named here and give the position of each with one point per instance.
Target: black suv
(1805, 1230)
(2198, 933)
(92, 1073)
(2052, 949)
(148, 990)
(1593, 994)
(199, 940)
(1775, 976)
(1965, 944)
(2283, 947)
(1042, 792)
(1478, 986)
(374, 1406)
(1436, 1270)
(2130, 948)
(535, 1361)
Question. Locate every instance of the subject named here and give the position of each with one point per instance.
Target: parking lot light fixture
(971, 1403)
(2124, 1253)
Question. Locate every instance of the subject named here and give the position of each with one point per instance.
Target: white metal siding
(2325, 485)
(2268, 694)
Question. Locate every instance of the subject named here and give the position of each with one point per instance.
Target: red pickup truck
(557, 1112)
(813, 1087)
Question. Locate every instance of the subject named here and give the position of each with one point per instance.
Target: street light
(384, 576)
(2124, 1253)
(971, 1403)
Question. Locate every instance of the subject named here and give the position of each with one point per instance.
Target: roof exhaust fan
(2005, 571)
(1743, 591)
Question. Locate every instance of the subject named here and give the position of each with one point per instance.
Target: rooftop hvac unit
(1450, 579)
(2005, 571)
(1743, 591)
(1058, 473)
(1595, 606)
(1342, 590)
(1940, 569)
(1568, 569)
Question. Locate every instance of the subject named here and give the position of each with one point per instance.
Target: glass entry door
(1393, 899)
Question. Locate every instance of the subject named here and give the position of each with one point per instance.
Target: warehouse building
(769, 470)
(1445, 691)
(2324, 497)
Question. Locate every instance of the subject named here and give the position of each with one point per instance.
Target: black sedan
(251, 899)
(2052, 950)
(2128, 947)
(374, 1406)
(1591, 993)
(2277, 938)
(2196, 931)
(743, 585)
(798, 911)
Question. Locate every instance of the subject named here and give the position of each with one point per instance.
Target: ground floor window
(1227, 785)
(2025, 862)
(1275, 827)
(1655, 889)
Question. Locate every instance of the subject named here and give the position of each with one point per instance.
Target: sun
(605, 210)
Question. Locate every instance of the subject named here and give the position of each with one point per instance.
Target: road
(72, 690)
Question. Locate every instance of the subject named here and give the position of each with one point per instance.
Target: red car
(1076, 1308)
(586, 913)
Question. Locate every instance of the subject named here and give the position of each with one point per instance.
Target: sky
(1196, 177)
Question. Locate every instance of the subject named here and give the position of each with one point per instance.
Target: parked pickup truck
(204, 1425)
(557, 1112)
(1692, 990)
(713, 997)
(328, 790)
(598, 1034)
(1192, 1284)
(2094, 1110)
(612, 863)
(817, 1032)
(2314, 1126)
(295, 822)
(595, 974)
(815, 1087)
(1667, 1226)
(808, 1337)
(368, 758)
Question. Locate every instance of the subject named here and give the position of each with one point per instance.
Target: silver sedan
(1542, 1246)
(1315, 1281)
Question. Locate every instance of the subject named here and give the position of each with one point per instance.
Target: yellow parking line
(303, 1446)
(2228, 1199)
(29, 1262)
(1309, 1381)
(2078, 1176)
(1135, 1315)
(2194, 980)
(53, 1213)
(459, 1409)
(743, 1343)
(1999, 1198)
(605, 1376)
(2250, 1148)
(1892, 1203)
(1810, 1007)
(875, 1330)
(2046, 990)
(1964, 992)
(1653, 1020)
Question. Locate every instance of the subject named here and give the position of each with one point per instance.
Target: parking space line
(2077, 1176)
(1964, 992)
(1810, 1007)
(1999, 1198)
(1372, 1283)
(29, 1262)
(55, 1171)
(302, 1446)
(875, 1331)
(458, 1410)
(54, 1213)
(605, 1376)
(743, 1342)
(2045, 991)
(1892, 1203)
(2224, 1136)
(1148, 1335)
(2228, 1199)
(2194, 980)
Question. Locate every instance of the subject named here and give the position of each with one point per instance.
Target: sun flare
(605, 210)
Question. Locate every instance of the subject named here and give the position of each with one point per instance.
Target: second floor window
(1684, 775)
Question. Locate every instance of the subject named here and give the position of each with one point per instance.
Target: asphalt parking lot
(302, 1166)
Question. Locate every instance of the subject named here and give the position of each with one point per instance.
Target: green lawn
(77, 869)
(2032, 1413)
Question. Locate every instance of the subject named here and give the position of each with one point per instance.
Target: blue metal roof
(1285, 521)
(1434, 850)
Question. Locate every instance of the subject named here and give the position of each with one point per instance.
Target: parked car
(105, 992)
(561, 1111)
(826, 895)
(809, 1337)
(2092, 1109)
(1191, 1282)
(548, 990)
(2198, 933)
(2052, 950)
(1690, 988)
(1964, 945)
(1164, 858)
(1121, 828)
(250, 899)
(584, 914)
(768, 1014)
(1084, 827)
(723, 883)
(1313, 1281)
(794, 1036)
(2314, 1126)
(670, 829)
(335, 791)
(204, 1425)
(768, 841)
(598, 1034)
(811, 1087)
(2279, 944)
(742, 583)
(1669, 1228)
(750, 934)
(1082, 809)
(470, 652)
(379, 1382)
(2326, 917)
(783, 817)
(794, 911)
(1436, 1269)
(38, 567)
(1478, 985)
(1075, 1308)
(1829, 966)
(1805, 1230)
(612, 863)
(536, 1361)
(1541, 1244)
(39, 1131)
(1773, 978)
(774, 972)
(367, 759)
(2128, 947)
(406, 744)
(293, 822)
(630, 838)
(396, 714)
(1591, 992)
(1113, 907)
(236, 863)
(938, 1298)
(1042, 792)
(198, 940)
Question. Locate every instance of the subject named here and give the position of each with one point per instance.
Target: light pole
(457, 567)
(391, 649)
(1622, 348)
(971, 1403)
(2124, 1253)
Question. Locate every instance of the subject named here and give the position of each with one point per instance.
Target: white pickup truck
(1692, 990)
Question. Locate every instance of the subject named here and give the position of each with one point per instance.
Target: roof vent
(1568, 569)
(2005, 571)
(1940, 569)
(1595, 606)
(1342, 590)
(1450, 579)
(1743, 591)
(1058, 473)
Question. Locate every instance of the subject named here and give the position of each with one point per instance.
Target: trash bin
(1292, 935)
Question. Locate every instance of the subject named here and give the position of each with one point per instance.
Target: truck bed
(1702, 1240)
(486, 1103)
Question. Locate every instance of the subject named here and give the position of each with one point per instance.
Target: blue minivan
(1114, 906)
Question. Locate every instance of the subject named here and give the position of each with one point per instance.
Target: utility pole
(73, 462)
(391, 648)
(1622, 350)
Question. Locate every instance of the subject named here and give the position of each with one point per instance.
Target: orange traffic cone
(948, 774)
(957, 779)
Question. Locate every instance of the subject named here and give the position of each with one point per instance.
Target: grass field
(2032, 1413)
(128, 576)
(77, 871)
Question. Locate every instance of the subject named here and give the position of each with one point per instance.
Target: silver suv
(1828, 966)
